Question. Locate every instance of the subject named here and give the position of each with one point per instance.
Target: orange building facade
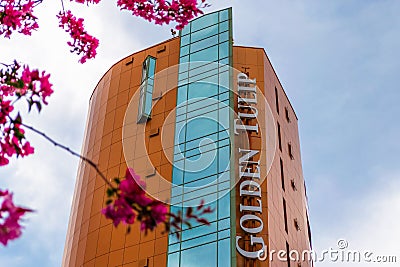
(198, 119)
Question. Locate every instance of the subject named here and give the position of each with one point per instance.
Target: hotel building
(199, 119)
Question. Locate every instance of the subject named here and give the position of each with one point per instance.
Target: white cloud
(372, 227)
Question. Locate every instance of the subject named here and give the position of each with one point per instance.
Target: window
(279, 137)
(296, 224)
(146, 89)
(285, 215)
(282, 175)
(276, 100)
(293, 184)
(290, 150)
(287, 114)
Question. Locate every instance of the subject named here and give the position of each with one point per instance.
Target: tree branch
(85, 159)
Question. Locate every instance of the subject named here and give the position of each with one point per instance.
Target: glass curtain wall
(202, 141)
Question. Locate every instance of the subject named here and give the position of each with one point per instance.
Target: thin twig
(62, 5)
(90, 162)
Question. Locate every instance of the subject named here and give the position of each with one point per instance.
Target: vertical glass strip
(146, 89)
(202, 167)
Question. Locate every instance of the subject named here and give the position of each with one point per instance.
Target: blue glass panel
(223, 159)
(224, 252)
(198, 127)
(200, 89)
(174, 239)
(184, 51)
(211, 217)
(186, 30)
(184, 59)
(199, 241)
(213, 40)
(195, 143)
(209, 54)
(204, 71)
(202, 181)
(224, 234)
(176, 190)
(185, 40)
(225, 176)
(204, 33)
(224, 120)
(183, 75)
(198, 193)
(224, 61)
(204, 21)
(206, 165)
(224, 79)
(152, 67)
(224, 50)
(199, 231)
(224, 224)
(202, 256)
(173, 259)
(225, 186)
(182, 94)
(224, 26)
(223, 37)
(174, 247)
(177, 176)
(206, 77)
(208, 111)
(223, 207)
(224, 15)
(148, 103)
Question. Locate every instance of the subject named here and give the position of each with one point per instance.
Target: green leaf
(38, 106)
(110, 192)
(18, 119)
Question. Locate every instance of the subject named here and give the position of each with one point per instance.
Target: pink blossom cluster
(15, 85)
(162, 11)
(10, 216)
(132, 204)
(86, 1)
(83, 43)
(17, 16)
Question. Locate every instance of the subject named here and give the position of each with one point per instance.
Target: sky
(338, 63)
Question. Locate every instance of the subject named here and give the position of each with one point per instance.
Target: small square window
(287, 114)
(290, 150)
(296, 224)
(293, 185)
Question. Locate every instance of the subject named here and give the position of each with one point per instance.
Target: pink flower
(159, 212)
(87, 1)
(27, 149)
(10, 216)
(82, 42)
(164, 12)
(17, 16)
(132, 204)
(121, 211)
